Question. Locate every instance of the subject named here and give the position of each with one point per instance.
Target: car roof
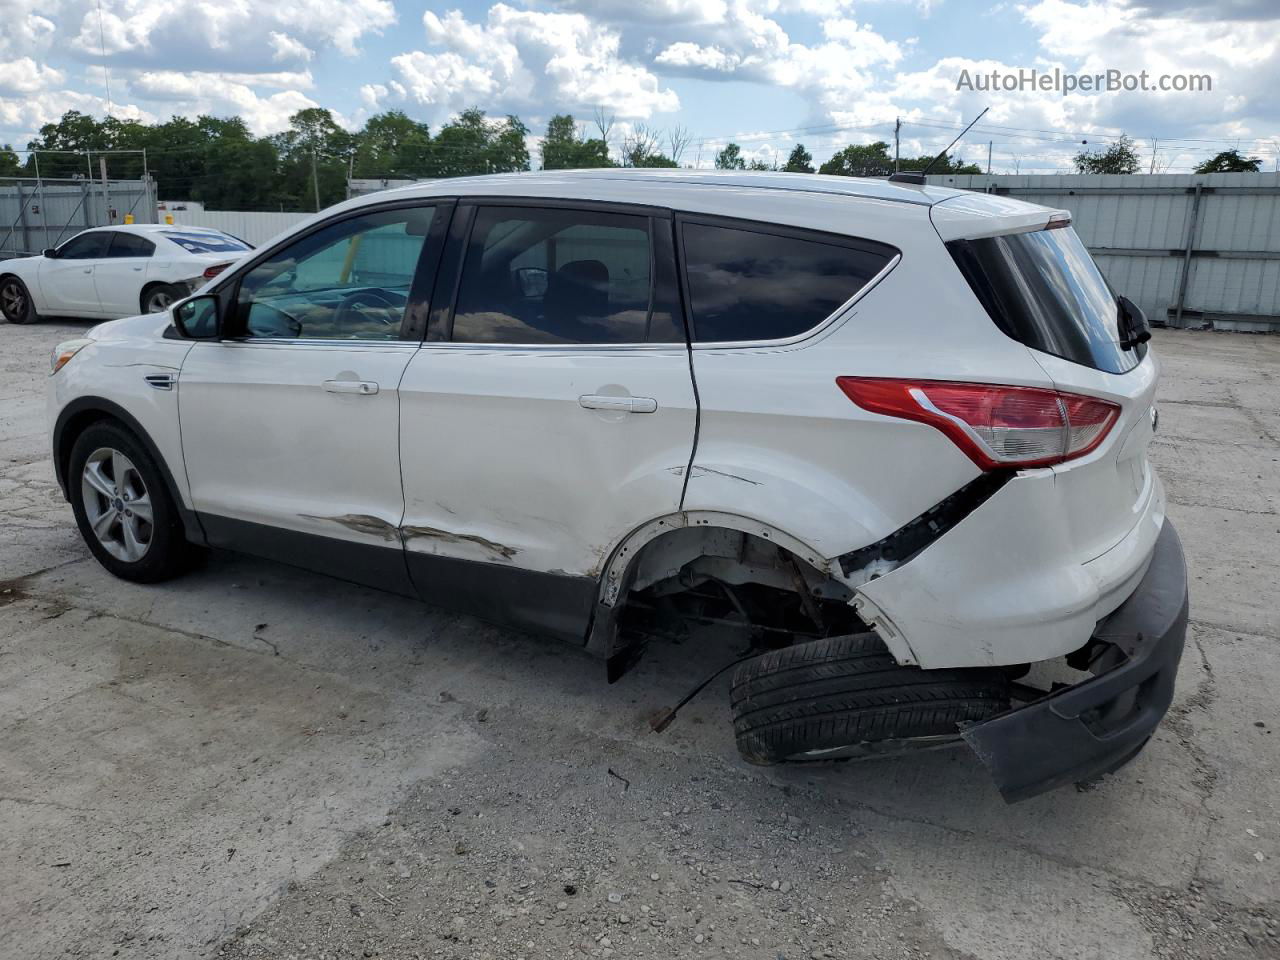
(641, 181)
(145, 228)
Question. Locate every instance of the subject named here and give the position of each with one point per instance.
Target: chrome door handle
(361, 388)
(591, 401)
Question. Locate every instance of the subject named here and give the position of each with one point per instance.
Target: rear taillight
(217, 268)
(995, 426)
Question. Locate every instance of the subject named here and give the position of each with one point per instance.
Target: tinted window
(348, 281)
(87, 246)
(205, 242)
(130, 245)
(749, 285)
(560, 276)
(1044, 290)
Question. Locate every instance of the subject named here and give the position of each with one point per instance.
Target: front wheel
(161, 297)
(123, 507)
(15, 301)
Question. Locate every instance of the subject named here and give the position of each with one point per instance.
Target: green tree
(943, 164)
(1119, 157)
(9, 165)
(508, 147)
(392, 145)
(564, 149)
(860, 160)
(640, 149)
(314, 157)
(800, 161)
(471, 144)
(730, 158)
(1230, 161)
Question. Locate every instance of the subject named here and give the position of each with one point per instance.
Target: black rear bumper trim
(1095, 727)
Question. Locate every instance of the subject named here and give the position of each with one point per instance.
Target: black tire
(159, 297)
(842, 691)
(167, 553)
(15, 301)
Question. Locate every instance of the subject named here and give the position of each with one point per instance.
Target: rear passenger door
(550, 411)
(119, 278)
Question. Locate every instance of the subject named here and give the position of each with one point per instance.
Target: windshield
(1044, 290)
(201, 242)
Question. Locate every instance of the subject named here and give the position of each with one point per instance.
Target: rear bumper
(1095, 727)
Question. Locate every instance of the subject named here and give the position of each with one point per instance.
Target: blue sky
(767, 73)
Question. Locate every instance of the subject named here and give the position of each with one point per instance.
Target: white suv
(893, 436)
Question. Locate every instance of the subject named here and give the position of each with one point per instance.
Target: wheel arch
(620, 569)
(81, 413)
(147, 288)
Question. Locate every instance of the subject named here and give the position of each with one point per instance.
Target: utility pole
(106, 190)
(989, 143)
(1155, 144)
(315, 179)
(897, 126)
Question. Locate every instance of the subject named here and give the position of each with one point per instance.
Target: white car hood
(147, 326)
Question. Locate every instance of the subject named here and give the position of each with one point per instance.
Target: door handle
(361, 388)
(88, 269)
(592, 401)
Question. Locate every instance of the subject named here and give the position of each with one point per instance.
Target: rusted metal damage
(372, 526)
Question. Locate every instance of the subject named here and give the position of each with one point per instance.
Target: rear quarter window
(1043, 289)
(755, 282)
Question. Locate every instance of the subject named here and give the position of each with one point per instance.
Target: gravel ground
(257, 762)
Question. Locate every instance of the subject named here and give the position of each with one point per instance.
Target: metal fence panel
(1138, 227)
(35, 214)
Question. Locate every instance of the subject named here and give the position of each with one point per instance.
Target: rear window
(201, 242)
(756, 284)
(1044, 290)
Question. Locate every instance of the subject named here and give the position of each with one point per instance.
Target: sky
(766, 74)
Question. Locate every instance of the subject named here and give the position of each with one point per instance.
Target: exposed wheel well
(146, 289)
(740, 583)
(70, 431)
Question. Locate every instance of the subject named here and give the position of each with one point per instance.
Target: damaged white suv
(893, 436)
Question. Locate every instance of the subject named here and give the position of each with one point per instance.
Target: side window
(348, 281)
(560, 276)
(86, 246)
(130, 245)
(746, 284)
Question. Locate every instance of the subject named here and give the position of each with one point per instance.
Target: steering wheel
(368, 305)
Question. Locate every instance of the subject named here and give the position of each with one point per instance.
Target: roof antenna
(912, 176)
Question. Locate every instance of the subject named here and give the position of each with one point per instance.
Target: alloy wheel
(117, 504)
(13, 301)
(159, 301)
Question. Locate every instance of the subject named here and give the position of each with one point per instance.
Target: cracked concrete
(257, 762)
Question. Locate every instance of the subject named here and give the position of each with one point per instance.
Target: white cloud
(287, 48)
(222, 94)
(525, 60)
(26, 76)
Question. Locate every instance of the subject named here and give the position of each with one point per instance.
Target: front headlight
(64, 352)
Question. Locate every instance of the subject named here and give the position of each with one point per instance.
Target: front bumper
(1083, 731)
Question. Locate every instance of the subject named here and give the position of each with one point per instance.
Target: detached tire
(841, 691)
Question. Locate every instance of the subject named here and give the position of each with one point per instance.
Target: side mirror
(197, 318)
(1134, 328)
(51, 253)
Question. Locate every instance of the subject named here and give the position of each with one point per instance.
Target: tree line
(220, 163)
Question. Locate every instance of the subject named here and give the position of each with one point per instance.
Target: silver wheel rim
(117, 504)
(12, 300)
(159, 301)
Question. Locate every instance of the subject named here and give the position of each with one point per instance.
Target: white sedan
(112, 272)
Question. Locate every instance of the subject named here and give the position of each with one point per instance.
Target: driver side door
(290, 422)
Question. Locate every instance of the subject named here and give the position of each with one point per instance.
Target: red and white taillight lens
(995, 426)
(217, 268)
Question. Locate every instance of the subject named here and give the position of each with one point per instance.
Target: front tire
(843, 696)
(15, 301)
(160, 297)
(123, 507)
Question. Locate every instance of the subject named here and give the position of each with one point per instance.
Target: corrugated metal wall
(1137, 228)
(252, 226)
(39, 214)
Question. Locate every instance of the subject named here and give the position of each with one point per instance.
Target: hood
(146, 326)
